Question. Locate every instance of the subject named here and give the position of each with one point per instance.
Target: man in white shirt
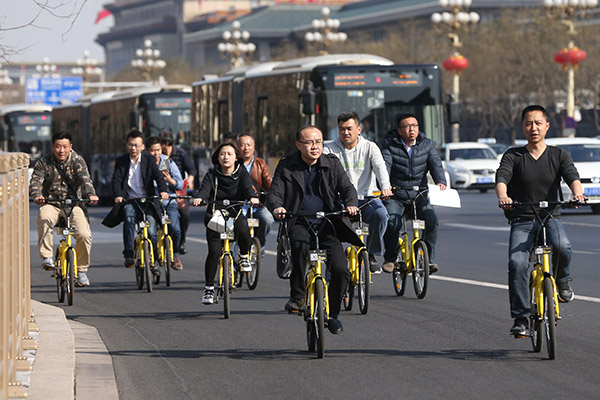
(365, 167)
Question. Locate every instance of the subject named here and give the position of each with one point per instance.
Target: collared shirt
(134, 179)
(249, 166)
(409, 149)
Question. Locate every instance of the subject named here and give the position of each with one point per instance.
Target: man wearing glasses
(307, 182)
(408, 156)
(134, 176)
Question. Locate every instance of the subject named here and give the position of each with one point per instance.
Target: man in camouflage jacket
(62, 174)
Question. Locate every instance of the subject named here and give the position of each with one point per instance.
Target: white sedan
(586, 156)
(471, 165)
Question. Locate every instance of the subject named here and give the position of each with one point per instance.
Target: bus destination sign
(376, 79)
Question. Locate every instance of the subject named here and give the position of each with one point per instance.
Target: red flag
(101, 15)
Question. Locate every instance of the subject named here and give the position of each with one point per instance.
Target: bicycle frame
(316, 258)
(407, 255)
(66, 242)
(353, 251)
(226, 237)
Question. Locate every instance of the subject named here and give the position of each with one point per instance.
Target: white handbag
(217, 222)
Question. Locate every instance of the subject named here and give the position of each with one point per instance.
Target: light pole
(4, 77)
(325, 31)
(148, 61)
(46, 69)
(451, 23)
(236, 45)
(87, 68)
(570, 57)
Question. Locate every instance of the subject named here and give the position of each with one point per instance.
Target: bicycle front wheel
(348, 298)
(364, 282)
(147, 265)
(138, 268)
(255, 261)
(60, 282)
(168, 259)
(320, 316)
(536, 327)
(227, 279)
(420, 271)
(70, 276)
(550, 317)
(399, 278)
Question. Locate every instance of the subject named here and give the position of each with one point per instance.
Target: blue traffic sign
(53, 91)
(569, 122)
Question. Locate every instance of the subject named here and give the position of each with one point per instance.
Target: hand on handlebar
(197, 201)
(352, 210)
(279, 213)
(505, 203)
(39, 200)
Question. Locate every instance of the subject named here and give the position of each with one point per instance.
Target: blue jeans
(395, 208)
(174, 227)
(522, 240)
(266, 222)
(376, 215)
(133, 215)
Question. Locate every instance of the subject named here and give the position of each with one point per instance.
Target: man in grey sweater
(365, 167)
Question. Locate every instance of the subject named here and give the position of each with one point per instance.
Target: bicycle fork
(226, 253)
(63, 247)
(541, 270)
(313, 275)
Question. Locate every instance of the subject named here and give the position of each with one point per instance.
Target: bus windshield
(30, 133)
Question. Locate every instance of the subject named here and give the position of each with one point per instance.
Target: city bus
(26, 128)
(99, 124)
(272, 100)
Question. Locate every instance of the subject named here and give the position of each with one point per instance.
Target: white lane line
(480, 227)
(269, 252)
(498, 286)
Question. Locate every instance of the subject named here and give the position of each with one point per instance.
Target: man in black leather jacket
(306, 182)
(409, 155)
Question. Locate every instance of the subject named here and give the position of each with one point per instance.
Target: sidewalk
(71, 361)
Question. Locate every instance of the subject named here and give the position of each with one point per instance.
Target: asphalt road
(455, 343)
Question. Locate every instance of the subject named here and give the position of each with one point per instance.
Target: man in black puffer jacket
(408, 156)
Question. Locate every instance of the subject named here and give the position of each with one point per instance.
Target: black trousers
(302, 240)
(215, 247)
(184, 222)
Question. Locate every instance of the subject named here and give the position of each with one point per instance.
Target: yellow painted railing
(15, 293)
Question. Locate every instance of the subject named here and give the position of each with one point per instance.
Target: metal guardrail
(15, 294)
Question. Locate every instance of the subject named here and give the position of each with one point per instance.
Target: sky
(53, 37)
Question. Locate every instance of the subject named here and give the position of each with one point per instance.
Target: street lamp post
(148, 61)
(570, 57)
(451, 23)
(87, 68)
(46, 69)
(236, 46)
(325, 31)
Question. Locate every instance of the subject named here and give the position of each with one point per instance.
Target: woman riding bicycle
(227, 180)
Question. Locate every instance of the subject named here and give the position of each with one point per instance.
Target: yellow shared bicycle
(143, 253)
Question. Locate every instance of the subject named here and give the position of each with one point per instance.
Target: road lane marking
(499, 286)
(269, 252)
(480, 227)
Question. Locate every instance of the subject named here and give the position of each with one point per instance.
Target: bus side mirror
(309, 102)
(453, 110)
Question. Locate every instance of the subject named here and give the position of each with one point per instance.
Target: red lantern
(571, 56)
(562, 57)
(456, 63)
(576, 55)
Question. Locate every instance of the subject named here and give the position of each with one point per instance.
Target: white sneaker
(244, 263)
(48, 263)
(209, 295)
(82, 280)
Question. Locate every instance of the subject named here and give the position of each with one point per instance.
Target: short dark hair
(165, 137)
(248, 134)
(347, 115)
(134, 133)
(151, 141)
(215, 155)
(61, 135)
(534, 107)
(404, 116)
(303, 127)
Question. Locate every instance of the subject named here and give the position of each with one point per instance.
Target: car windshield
(583, 152)
(472, 154)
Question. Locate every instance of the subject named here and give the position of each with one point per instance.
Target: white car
(586, 156)
(471, 165)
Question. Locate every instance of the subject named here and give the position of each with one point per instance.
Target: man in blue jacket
(409, 155)
(134, 176)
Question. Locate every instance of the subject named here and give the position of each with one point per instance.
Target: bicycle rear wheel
(168, 259)
(147, 265)
(70, 276)
(138, 268)
(550, 317)
(536, 328)
(320, 317)
(364, 282)
(420, 272)
(399, 278)
(255, 261)
(227, 278)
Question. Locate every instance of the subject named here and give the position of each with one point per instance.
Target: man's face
(246, 145)
(156, 151)
(61, 149)
(535, 126)
(310, 145)
(408, 129)
(135, 146)
(167, 148)
(349, 131)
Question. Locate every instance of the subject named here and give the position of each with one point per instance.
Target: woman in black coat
(227, 180)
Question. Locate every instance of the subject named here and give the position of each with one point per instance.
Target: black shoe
(565, 292)
(374, 265)
(433, 268)
(293, 305)
(129, 262)
(335, 326)
(520, 328)
(182, 249)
